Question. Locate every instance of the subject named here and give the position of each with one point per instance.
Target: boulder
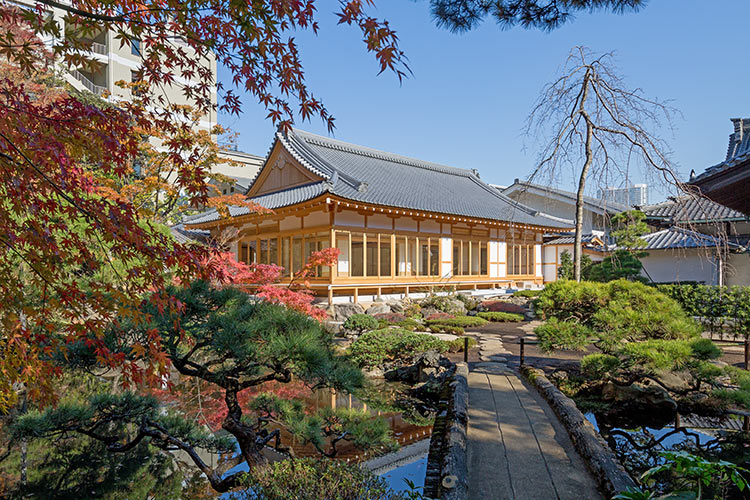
(396, 306)
(676, 381)
(642, 397)
(429, 358)
(378, 308)
(341, 312)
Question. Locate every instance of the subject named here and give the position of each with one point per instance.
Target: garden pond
(637, 442)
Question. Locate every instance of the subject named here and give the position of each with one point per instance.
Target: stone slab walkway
(517, 449)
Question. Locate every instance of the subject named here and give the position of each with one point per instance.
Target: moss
(500, 316)
(462, 321)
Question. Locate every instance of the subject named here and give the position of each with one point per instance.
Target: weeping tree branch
(599, 128)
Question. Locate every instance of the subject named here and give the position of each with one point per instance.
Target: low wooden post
(747, 352)
(523, 345)
(466, 349)
(356, 295)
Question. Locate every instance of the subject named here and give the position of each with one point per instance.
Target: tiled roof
(609, 206)
(182, 235)
(271, 201)
(676, 237)
(569, 239)
(367, 175)
(691, 209)
(738, 150)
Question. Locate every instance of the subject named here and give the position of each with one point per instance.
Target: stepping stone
(493, 368)
(499, 359)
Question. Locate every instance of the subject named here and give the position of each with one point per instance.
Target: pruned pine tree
(236, 343)
(590, 120)
(463, 15)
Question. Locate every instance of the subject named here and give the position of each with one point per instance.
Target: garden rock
(428, 311)
(676, 381)
(333, 327)
(396, 307)
(643, 397)
(378, 308)
(374, 373)
(342, 312)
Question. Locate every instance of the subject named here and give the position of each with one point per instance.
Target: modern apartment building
(634, 196)
(113, 62)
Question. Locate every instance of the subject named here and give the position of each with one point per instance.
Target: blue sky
(469, 96)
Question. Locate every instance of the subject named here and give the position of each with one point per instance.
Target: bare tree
(589, 120)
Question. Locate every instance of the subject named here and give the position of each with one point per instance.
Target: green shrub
(500, 316)
(409, 324)
(656, 355)
(705, 349)
(440, 328)
(527, 293)
(377, 347)
(360, 323)
(457, 345)
(618, 311)
(565, 335)
(598, 366)
(312, 479)
(567, 299)
(462, 321)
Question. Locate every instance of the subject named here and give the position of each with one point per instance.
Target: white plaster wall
(679, 265)
(349, 218)
(557, 208)
(738, 269)
(317, 219)
(429, 226)
(493, 255)
(404, 224)
(379, 221)
(289, 223)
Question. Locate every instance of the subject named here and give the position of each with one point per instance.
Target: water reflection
(637, 445)
(410, 420)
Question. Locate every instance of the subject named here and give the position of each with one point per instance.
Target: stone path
(517, 449)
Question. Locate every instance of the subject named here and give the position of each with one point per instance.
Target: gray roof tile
(686, 209)
(367, 175)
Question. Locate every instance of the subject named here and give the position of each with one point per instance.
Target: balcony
(91, 86)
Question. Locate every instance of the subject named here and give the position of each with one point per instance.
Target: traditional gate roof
(689, 209)
(366, 175)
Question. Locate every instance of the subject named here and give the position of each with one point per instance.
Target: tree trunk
(577, 248)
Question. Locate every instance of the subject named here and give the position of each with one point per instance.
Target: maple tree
(72, 212)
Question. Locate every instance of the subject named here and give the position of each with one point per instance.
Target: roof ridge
(349, 147)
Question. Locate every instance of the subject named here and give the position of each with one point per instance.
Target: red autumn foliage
(264, 279)
(502, 306)
(77, 247)
(439, 315)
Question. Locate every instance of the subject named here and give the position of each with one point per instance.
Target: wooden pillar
(406, 295)
(330, 297)
(379, 292)
(356, 295)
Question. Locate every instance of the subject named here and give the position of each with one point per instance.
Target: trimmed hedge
(527, 293)
(462, 321)
(500, 316)
(454, 330)
(718, 306)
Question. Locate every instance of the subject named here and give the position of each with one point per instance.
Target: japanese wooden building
(402, 225)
